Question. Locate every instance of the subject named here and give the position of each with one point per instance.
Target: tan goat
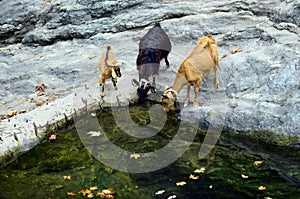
(109, 68)
(197, 65)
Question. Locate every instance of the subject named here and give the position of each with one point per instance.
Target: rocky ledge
(59, 43)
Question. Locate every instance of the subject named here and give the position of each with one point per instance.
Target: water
(230, 170)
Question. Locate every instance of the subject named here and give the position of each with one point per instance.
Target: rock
(65, 39)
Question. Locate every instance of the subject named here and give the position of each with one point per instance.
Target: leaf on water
(261, 188)
(201, 170)
(67, 177)
(244, 176)
(160, 192)
(256, 163)
(93, 188)
(181, 183)
(70, 194)
(94, 133)
(85, 192)
(135, 156)
(91, 195)
(193, 177)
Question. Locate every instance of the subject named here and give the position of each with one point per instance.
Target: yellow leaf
(70, 194)
(181, 183)
(210, 186)
(107, 191)
(85, 192)
(202, 170)
(135, 156)
(235, 50)
(65, 177)
(223, 56)
(256, 163)
(193, 177)
(267, 198)
(91, 195)
(261, 188)
(93, 188)
(244, 176)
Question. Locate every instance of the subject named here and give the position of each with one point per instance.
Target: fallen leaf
(193, 177)
(261, 188)
(160, 192)
(93, 188)
(2, 103)
(135, 156)
(67, 177)
(52, 137)
(101, 195)
(210, 186)
(94, 133)
(85, 192)
(268, 198)
(107, 191)
(256, 163)
(53, 79)
(181, 183)
(91, 195)
(235, 50)
(172, 197)
(40, 87)
(223, 56)
(70, 194)
(244, 176)
(201, 170)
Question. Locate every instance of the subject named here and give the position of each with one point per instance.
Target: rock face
(59, 43)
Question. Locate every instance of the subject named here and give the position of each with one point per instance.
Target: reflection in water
(228, 172)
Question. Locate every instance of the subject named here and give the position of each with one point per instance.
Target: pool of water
(239, 166)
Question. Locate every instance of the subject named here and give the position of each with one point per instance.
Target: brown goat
(109, 68)
(197, 65)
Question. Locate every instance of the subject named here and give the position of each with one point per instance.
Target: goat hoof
(196, 105)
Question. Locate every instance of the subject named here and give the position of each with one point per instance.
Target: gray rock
(59, 43)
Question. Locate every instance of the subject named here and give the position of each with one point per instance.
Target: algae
(39, 173)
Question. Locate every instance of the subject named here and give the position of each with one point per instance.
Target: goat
(153, 47)
(197, 65)
(109, 69)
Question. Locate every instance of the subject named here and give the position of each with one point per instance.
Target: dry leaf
(67, 177)
(94, 133)
(135, 156)
(101, 195)
(2, 103)
(210, 186)
(223, 56)
(261, 188)
(181, 183)
(160, 192)
(70, 194)
(201, 170)
(235, 50)
(40, 87)
(93, 188)
(107, 191)
(256, 163)
(268, 198)
(91, 195)
(85, 192)
(244, 176)
(52, 138)
(193, 177)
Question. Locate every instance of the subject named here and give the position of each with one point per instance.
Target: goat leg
(187, 100)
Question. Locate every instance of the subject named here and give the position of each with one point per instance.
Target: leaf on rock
(135, 156)
(235, 50)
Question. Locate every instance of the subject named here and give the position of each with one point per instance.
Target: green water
(39, 173)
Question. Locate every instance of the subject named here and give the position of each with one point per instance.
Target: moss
(39, 173)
